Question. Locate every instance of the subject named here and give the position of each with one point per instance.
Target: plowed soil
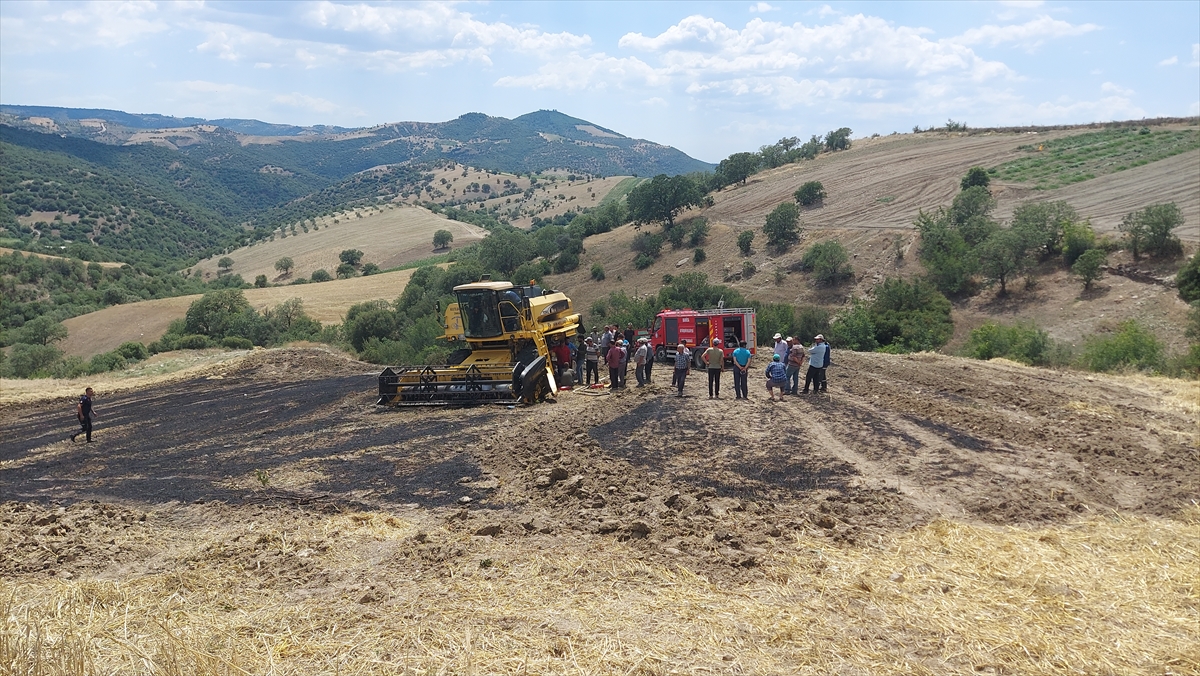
(713, 484)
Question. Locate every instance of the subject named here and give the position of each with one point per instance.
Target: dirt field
(387, 237)
(147, 321)
(930, 515)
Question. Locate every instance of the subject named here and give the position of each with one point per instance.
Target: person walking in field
(613, 359)
(84, 412)
(776, 377)
(795, 360)
(683, 365)
(714, 357)
(741, 371)
(818, 359)
(592, 360)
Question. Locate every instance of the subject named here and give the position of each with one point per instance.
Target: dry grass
(147, 321)
(388, 235)
(1113, 595)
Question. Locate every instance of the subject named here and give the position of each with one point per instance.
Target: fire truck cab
(698, 327)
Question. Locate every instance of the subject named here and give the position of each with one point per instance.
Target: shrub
(1151, 230)
(260, 281)
(566, 262)
(699, 232)
(108, 361)
(29, 361)
(948, 258)
(213, 313)
(748, 268)
(782, 226)
(346, 271)
(597, 272)
(744, 240)
(284, 265)
(810, 193)
(321, 276)
(910, 316)
(351, 257)
(1131, 346)
(133, 351)
(1023, 343)
(533, 271)
(854, 330)
(1041, 225)
(809, 322)
(1188, 280)
(698, 256)
(649, 244)
(1088, 266)
(1076, 239)
(236, 343)
(828, 262)
(976, 176)
(643, 261)
(675, 237)
(370, 269)
(192, 342)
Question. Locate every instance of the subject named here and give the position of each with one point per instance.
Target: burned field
(274, 505)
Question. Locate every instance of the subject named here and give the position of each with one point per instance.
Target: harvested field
(388, 237)
(147, 321)
(930, 515)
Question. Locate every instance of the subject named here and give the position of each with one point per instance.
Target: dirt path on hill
(715, 485)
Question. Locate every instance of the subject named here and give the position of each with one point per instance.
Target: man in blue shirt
(818, 359)
(741, 371)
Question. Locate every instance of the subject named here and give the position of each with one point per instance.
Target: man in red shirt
(613, 358)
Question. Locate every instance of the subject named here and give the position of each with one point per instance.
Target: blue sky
(708, 78)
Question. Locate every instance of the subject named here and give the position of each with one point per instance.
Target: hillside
(931, 515)
(388, 236)
(147, 321)
(533, 142)
(875, 191)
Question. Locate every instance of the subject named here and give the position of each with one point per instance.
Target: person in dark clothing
(84, 412)
(630, 334)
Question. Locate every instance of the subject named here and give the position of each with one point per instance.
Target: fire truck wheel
(660, 354)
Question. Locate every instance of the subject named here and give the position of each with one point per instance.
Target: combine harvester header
(508, 330)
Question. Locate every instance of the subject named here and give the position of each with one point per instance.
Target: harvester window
(481, 318)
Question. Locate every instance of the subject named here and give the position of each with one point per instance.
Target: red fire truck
(698, 328)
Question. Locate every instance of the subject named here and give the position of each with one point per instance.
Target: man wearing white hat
(641, 358)
(818, 359)
(781, 347)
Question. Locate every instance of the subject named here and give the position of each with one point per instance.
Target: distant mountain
(537, 141)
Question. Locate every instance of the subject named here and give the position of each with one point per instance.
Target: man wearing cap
(714, 357)
(592, 360)
(683, 364)
(781, 347)
(818, 359)
(613, 358)
(649, 358)
(640, 357)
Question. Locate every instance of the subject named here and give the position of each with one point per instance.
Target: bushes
(648, 244)
(744, 240)
(1151, 231)
(810, 193)
(699, 232)
(976, 176)
(643, 261)
(26, 360)
(1188, 280)
(782, 226)
(1130, 346)
(597, 272)
(828, 262)
(1089, 266)
(699, 256)
(1022, 343)
(321, 275)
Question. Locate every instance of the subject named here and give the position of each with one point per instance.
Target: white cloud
(312, 103)
(1023, 4)
(77, 26)
(1028, 35)
(597, 71)
(762, 8)
(1110, 88)
(1169, 62)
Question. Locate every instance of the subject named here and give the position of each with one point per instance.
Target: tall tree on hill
(838, 139)
(225, 264)
(783, 226)
(737, 168)
(442, 239)
(662, 198)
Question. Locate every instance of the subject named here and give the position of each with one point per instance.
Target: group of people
(616, 349)
(788, 357)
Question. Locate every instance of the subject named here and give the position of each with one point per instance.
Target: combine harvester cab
(508, 330)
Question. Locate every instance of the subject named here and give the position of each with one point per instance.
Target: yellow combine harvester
(508, 330)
